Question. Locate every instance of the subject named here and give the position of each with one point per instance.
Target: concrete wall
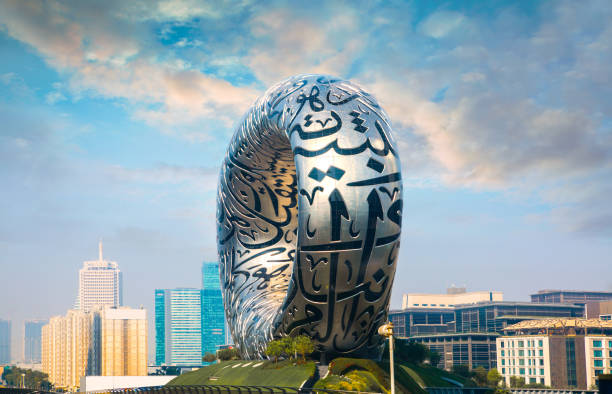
(92, 383)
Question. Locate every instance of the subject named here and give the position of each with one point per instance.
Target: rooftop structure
(100, 284)
(570, 296)
(453, 297)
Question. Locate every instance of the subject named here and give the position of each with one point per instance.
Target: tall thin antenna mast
(100, 250)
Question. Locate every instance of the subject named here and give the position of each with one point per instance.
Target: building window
(503, 361)
(570, 361)
(502, 345)
(598, 363)
(522, 343)
(597, 353)
(541, 371)
(521, 353)
(522, 371)
(541, 362)
(596, 343)
(532, 380)
(503, 371)
(541, 353)
(502, 352)
(540, 343)
(521, 361)
(598, 372)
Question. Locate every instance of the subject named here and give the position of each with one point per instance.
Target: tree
(434, 358)
(209, 357)
(274, 349)
(480, 376)
(461, 370)
(409, 351)
(516, 382)
(304, 345)
(33, 379)
(228, 354)
(494, 377)
(288, 345)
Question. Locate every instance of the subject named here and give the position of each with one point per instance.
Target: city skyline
(116, 118)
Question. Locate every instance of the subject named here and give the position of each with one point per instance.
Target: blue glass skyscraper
(32, 340)
(5, 341)
(213, 313)
(178, 326)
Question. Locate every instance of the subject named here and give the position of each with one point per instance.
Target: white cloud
(440, 23)
(105, 57)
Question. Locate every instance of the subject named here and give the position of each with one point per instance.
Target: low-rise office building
(570, 296)
(560, 353)
(466, 334)
(454, 296)
(473, 350)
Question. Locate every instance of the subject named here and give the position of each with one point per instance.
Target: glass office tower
(213, 313)
(178, 326)
(32, 341)
(5, 341)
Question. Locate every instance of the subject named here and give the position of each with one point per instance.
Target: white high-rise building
(100, 284)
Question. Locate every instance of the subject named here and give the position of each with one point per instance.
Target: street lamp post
(386, 330)
(23, 380)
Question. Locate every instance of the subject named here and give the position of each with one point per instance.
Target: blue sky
(114, 117)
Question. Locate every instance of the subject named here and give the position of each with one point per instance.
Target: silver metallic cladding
(308, 218)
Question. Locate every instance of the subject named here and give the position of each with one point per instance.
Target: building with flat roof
(5, 341)
(65, 348)
(495, 316)
(118, 342)
(100, 284)
(464, 332)
(561, 353)
(32, 334)
(422, 321)
(213, 312)
(471, 349)
(178, 326)
(570, 296)
(454, 296)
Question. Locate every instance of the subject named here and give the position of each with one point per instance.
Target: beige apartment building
(65, 348)
(104, 342)
(120, 342)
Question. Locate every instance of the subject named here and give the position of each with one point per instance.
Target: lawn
(248, 373)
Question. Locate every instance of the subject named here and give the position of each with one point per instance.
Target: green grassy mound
(368, 375)
(248, 373)
(353, 381)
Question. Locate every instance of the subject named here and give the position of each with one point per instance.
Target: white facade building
(598, 357)
(557, 352)
(93, 383)
(453, 297)
(527, 357)
(100, 284)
